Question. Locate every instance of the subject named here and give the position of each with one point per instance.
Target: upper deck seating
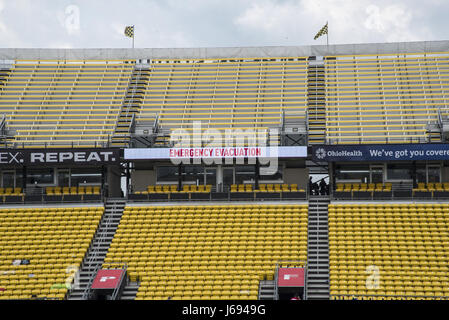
(385, 98)
(58, 103)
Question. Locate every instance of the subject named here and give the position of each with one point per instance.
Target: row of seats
(389, 249)
(72, 190)
(402, 296)
(11, 191)
(348, 187)
(52, 242)
(266, 187)
(432, 186)
(263, 187)
(173, 188)
(207, 251)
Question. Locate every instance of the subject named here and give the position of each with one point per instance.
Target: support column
(24, 178)
(113, 181)
(219, 181)
(127, 177)
(257, 175)
(331, 176)
(179, 177)
(103, 179)
(415, 183)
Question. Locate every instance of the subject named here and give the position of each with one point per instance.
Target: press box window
(85, 176)
(399, 172)
(360, 173)
(194, 173)
(167, 174)
(41, 176)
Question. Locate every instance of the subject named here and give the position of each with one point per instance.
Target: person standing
(322, 187)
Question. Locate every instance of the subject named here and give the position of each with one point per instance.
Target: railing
(87, 294)
(2, 124)
(226, 195)
(117, 265)
(390, 195)
(3, 137)
(156, 124)
(385, 297)
(440, 119)
(37, 196)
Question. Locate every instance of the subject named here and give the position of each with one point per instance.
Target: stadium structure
(155, 174)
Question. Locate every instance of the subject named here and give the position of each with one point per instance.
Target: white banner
(213, 153)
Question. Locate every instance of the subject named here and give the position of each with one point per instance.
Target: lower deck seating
(404, 244)
(40, 248)
(210, 251)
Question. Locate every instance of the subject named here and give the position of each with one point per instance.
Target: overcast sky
(216, 23)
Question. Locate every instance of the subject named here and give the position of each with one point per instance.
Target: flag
(321, 32)
(129, 31)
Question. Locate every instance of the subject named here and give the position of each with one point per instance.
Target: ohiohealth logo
(320, 153)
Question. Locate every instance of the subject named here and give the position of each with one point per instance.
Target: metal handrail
(88, 292)
(120, 265)
(440, 118)
(353, 296)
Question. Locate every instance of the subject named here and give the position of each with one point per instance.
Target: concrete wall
(297, 175)
(141, 179)
(224, 52)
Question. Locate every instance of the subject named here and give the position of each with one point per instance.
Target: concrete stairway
(316, 102)
(317, 284)
(267, 290)
(131, 106)
(99, 247)
(130, 291)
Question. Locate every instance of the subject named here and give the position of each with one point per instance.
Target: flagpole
(327, 36)
(134, 33)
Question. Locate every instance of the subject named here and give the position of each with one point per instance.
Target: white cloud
(211, 23)
(393, 22)
(269, 16)
(349, 21)
(8, 38)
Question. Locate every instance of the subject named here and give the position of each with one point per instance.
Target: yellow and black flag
(321, 32)
(129, 31)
